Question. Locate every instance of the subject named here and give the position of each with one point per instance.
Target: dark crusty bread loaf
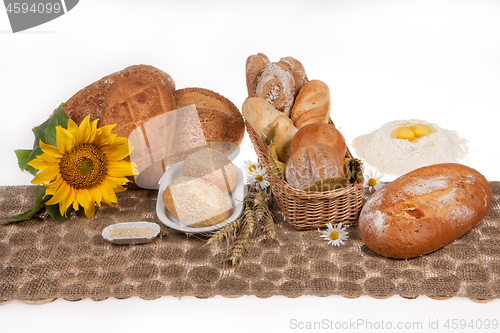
(89, 100)
(424, 210)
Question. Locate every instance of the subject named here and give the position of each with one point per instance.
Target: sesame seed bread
(220, 119)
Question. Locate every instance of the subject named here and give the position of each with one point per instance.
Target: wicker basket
(307, 210)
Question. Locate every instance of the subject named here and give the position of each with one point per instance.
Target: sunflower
(85, 167)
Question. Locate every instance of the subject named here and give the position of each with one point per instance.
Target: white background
(383, 60)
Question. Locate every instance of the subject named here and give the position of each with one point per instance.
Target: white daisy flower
(372, 179)
(258, 177)
(335, 235)
(250, 166)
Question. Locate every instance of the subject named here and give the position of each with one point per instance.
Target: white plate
(131, 240)
(234, 199)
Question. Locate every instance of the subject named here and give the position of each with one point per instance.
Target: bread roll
(424, 210)
(212, 166)
(277, 85)
(320, 133)
(260, 114)
(220, 119)
(89, 100)
(195, 202)
(254, 66)
(312, 104)
(298, 71)
(313, 162)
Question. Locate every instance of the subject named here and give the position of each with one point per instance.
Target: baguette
(260, 114)
(424, 210)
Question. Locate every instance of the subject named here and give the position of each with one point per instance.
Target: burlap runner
(43, 260)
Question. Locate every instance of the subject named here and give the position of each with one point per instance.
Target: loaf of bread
(134, 105)
(312, 104)
(212, 166)
(89, 100)
(260, 114)
(195, 202)
(326, 134)
(220, 120)
(313, 162)
(424, 210)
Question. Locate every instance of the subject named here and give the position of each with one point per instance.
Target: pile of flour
(396, 157)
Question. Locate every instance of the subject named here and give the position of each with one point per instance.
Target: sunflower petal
(39, 163)
(64, 139)
(46, 175)
(51, 150)
(96, 195)
(61, 197)
(85, 200)
(119, 169)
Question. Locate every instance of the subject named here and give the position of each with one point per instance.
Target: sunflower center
(83, 167)
(259, 178)
(372, 182)
(334, 235)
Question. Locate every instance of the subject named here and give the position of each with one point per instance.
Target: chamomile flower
(258, 178)
(250, 166)
(335, 235)
(372, 179)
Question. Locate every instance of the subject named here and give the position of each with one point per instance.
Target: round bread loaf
(220, 119)
(131, 102)
(195, 202)
(424, 210)
(313, 162)
(90, 100)
(212, 166)
(135, 104)
(326, 134)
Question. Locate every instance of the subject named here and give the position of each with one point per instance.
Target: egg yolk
(405, 133)
(412, 133)
(421, 130)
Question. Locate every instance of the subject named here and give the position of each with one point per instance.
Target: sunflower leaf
(59, 118)
(53, 211)
(45, 132)
(39, 205)
(23, 157)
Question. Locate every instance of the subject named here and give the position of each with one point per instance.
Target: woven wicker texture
(42, 260)
(310, 210)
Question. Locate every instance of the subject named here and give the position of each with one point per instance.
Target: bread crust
(90, 100)
(424, 210)
(220, 119)
(312, 104)
(326, 134)
(313, 162)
